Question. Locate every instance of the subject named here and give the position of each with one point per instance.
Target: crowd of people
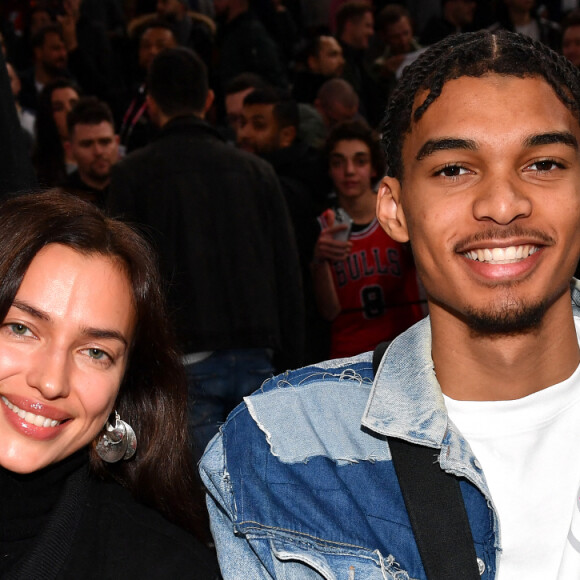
(242, 140)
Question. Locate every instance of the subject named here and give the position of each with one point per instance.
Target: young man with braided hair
(307, 478)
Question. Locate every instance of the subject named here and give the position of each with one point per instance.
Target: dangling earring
(117, 441)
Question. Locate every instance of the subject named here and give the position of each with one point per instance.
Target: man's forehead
(328, 44)
(492, 108)
(470, 90)
(265, 110)
(156, 34)
(83, 131)
(51, 39)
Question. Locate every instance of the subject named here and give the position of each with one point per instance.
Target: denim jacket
(300, 479)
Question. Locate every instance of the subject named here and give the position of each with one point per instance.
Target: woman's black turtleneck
(62, 524)
(26, 502)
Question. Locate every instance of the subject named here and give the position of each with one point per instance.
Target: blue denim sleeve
(235, 554)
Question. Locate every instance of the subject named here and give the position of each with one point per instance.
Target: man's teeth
(502, 255)
(29, 417)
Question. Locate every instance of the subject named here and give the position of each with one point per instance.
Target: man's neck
(520, 17)
(93, 183)
(470, 366)
(42, 76)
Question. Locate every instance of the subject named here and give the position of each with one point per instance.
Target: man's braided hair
(472, 54)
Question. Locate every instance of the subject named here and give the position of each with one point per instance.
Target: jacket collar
(188, 124)
(406, 400)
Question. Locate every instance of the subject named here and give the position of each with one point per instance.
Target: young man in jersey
(483, 179)
(364, 281)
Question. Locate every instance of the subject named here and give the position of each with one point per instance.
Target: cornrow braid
(472, 54)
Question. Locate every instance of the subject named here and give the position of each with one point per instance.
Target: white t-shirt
(529, 450)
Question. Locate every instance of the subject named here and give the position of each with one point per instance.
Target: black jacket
(221, 226)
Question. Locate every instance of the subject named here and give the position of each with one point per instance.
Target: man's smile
(507, 255)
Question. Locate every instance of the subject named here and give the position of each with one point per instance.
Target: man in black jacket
(221, 226)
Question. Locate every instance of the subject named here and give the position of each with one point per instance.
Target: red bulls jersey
(378, 292)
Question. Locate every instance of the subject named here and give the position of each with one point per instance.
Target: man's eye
(452, 171)
(545, 166)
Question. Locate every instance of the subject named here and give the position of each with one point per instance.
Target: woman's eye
(97, 353)
(19, 329)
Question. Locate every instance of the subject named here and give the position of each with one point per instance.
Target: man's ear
(312, 63)
(390, 211)
(287, 136)
(67, 148)
(208, 102)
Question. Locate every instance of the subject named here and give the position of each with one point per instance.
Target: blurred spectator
(365, 282)
(50, 161)
(226, 248)
(94, 147)
(269, 128)
(323, 60)
(90, 54)
(456, 16)
(283, 30)
(518, 16)
(336, 102)
(50, 63)
(136, 127)
(354, 28)
(244, 45)
(571, 37)
(19, 41)
(236, 91)
(395, 30)
(422, 11)
(108, 13)
(25, 116)
(315, 17)
(190, 28)
(16, 171)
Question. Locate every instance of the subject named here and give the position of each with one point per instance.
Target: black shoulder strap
(435, 506)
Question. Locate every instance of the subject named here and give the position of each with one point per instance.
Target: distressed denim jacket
(300, 479)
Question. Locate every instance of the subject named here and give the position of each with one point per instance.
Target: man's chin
(511, 320)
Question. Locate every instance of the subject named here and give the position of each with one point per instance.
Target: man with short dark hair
(519, 16)
(336, 102)
(323, 60)
(93, 145)
(244, 45)
(50, 63)
(456, 16)
(136, 129)
(395, 30)
(571, 37)
(235, 93)
(354, 29)
(454, 453)
(269, 128)
(226, 247)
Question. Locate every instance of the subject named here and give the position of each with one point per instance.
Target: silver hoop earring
(116, 441)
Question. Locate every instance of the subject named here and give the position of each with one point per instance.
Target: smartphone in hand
(341, 217)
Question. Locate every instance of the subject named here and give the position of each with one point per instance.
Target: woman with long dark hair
(95, 469)
(49, 156)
